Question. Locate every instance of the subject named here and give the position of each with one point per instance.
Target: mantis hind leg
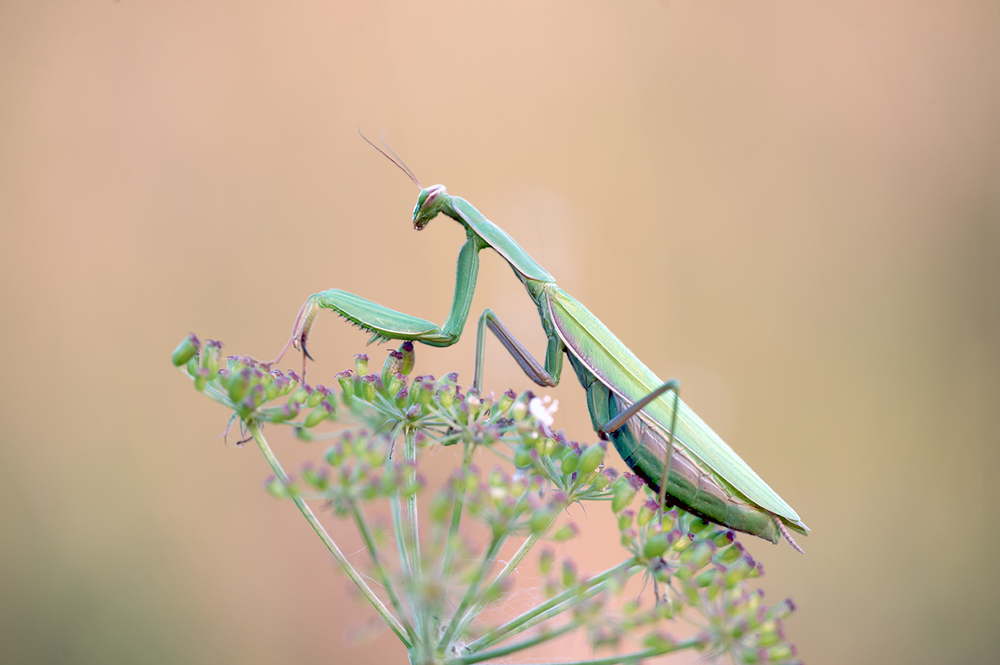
(613, 425)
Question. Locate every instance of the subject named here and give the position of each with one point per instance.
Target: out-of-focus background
(792, 207)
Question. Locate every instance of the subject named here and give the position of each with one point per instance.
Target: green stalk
(508, 568)
(456, 518)
(351, 572)
(634, 657)
(366, 535)
(494, 549)
(549, 608)
(544, 636)
(416, 570)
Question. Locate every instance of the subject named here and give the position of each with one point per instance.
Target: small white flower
(541, 409)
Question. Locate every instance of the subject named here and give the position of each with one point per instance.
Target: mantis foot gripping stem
(300, 333)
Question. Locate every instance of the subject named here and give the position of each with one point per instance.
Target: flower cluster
(436, 582)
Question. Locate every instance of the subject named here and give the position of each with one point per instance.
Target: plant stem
(420, 617)
(543, 636)
(352, 573)
(508, 568)
(547, 609)
(456, 518)
(488, 558)
(634, 657)
(366, 535)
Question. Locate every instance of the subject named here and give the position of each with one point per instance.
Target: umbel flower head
(443, 583)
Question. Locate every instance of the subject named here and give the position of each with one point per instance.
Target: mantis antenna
(400, 164)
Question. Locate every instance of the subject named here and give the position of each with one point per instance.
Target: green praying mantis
(657, 435)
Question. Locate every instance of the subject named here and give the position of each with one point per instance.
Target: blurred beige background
(792, 207)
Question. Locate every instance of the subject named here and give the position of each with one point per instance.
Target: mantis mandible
(658, 436)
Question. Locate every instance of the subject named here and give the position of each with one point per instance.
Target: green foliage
(439, 576)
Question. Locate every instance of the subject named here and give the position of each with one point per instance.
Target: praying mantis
(658, 436)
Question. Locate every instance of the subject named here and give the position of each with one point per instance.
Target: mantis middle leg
(549, 376)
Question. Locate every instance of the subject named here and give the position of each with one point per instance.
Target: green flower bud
(318, 394)
(519, 411)
(279, 414)
(409, 357)
(707, 578)
(239, 385)
(426, 394)
(393, 365)
(656, 545)
(592, 458)
(395, 383)
(568, 574)
(335, 454)
(570, 461)
(201, 378)
(683, 542)
(301, 396)
(781, 652)
(698, 525)
(346, 383)
(697, 557)
(187, 349)
(522, 457)
(473, 404)
(623, 491)
(625, 519)
(361, 363)
(318, 479)
(449, 379)
(211, 356)
(506, 401)
(724, 539)
(540, 520)
(293, 382)
(322, 412)
(446, 396)
(783, 609)
(565, 532)
(647, 512)
(604, 481)
(276, 488)
(369, 387)
(769, 635)
(739, 571)
(545, 560)
(730, 554)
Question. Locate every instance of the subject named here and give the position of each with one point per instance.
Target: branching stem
(351, 572)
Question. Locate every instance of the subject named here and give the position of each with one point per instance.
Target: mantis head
(429, 204)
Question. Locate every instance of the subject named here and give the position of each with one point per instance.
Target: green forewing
(620, 370)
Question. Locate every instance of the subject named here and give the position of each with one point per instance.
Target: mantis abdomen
(690, 487)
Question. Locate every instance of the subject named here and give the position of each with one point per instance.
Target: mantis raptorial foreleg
(384, 323)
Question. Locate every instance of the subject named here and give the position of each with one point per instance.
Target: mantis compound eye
(427, 205)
